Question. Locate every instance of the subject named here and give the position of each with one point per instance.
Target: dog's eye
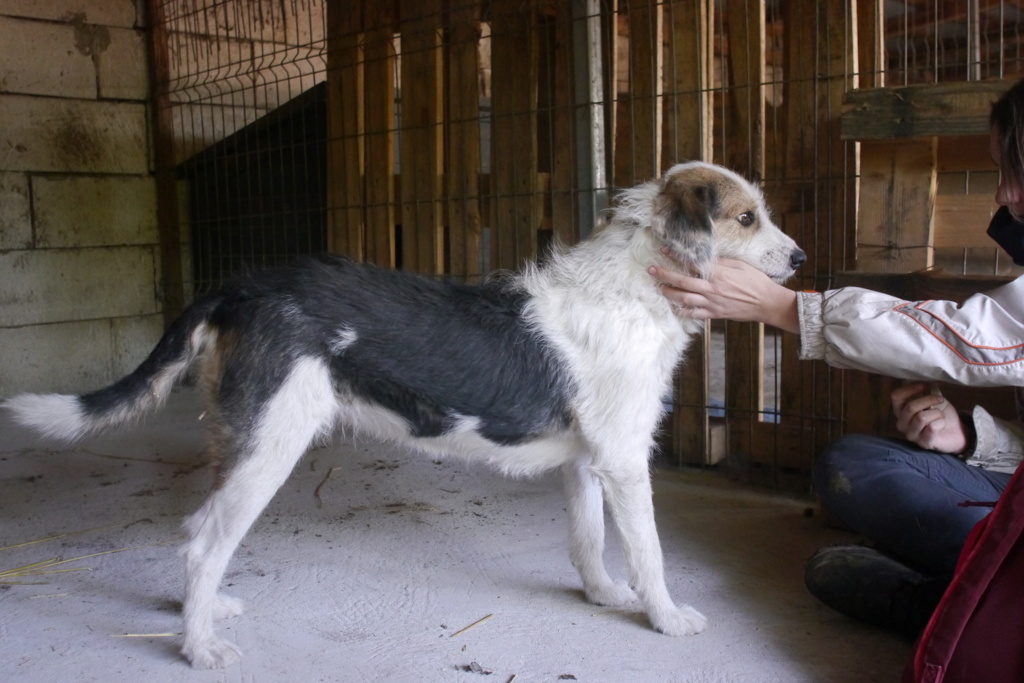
(746, 219)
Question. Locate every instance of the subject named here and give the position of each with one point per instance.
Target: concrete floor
(372, 579)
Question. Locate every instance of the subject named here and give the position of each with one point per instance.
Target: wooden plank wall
(427, 209)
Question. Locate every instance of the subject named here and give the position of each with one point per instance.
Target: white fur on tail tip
(56, 416)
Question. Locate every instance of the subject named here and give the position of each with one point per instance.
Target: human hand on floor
(925, 417)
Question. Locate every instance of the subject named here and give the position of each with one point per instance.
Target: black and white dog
(563, 365)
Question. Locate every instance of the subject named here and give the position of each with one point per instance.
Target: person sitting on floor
(904, 496)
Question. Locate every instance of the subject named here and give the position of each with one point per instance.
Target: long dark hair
(1007, 117)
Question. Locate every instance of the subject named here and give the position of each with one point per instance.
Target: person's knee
(835, 469)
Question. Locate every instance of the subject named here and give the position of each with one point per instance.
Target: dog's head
(703, 212)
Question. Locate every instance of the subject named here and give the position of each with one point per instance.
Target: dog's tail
(69, 418)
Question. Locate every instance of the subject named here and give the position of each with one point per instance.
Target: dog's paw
(679, 621)
(226, 607)
(213, 653)
(610, 594)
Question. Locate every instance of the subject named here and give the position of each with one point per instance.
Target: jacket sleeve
(978, 343)
(998, 446)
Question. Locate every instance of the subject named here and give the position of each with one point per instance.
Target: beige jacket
(979, 343)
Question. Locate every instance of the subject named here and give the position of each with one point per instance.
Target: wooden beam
(744, 152)
(814, 180)
(516, 206)
(345, 227)
(422, 142)
(871, 43)
(745, 149)
(798, 166)
(920, 110)
(379, 106)
(563, 144)
(687, 121)
(463, 154)
(593, 47)
(839, 41)
(687, 117)
(172, 283)
(612, 44)
(800, 105)
(642, 117)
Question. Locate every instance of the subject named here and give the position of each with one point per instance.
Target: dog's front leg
(586, 535)
(629, 497)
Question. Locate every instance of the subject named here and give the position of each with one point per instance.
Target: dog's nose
(797, 258)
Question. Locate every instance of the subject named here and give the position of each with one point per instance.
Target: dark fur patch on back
(429, 350)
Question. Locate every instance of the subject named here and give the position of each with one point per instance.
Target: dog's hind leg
(299, 411)
(587, 535)
(628, 492)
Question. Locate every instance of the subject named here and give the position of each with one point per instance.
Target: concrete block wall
(79, 257)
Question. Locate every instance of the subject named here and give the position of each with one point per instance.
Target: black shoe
(869, 586)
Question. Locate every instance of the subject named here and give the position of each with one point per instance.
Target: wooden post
(839, 165)
(514, 182)
(422, 140)
(379, 107)
(163, 157)
(642, 116)
(563, 143)
(745, 147)
(463, 155)
(744, 350)
(820, 45)
(871, 43)
(611, 46)
(687, 117)
(345, 129)
(687, 136)
(593, 47)
(974, 38)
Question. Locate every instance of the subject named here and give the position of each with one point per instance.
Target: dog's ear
(683, 218)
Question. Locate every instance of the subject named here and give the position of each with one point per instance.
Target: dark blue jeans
(904, 498)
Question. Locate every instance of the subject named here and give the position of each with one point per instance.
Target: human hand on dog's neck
(735, 291)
